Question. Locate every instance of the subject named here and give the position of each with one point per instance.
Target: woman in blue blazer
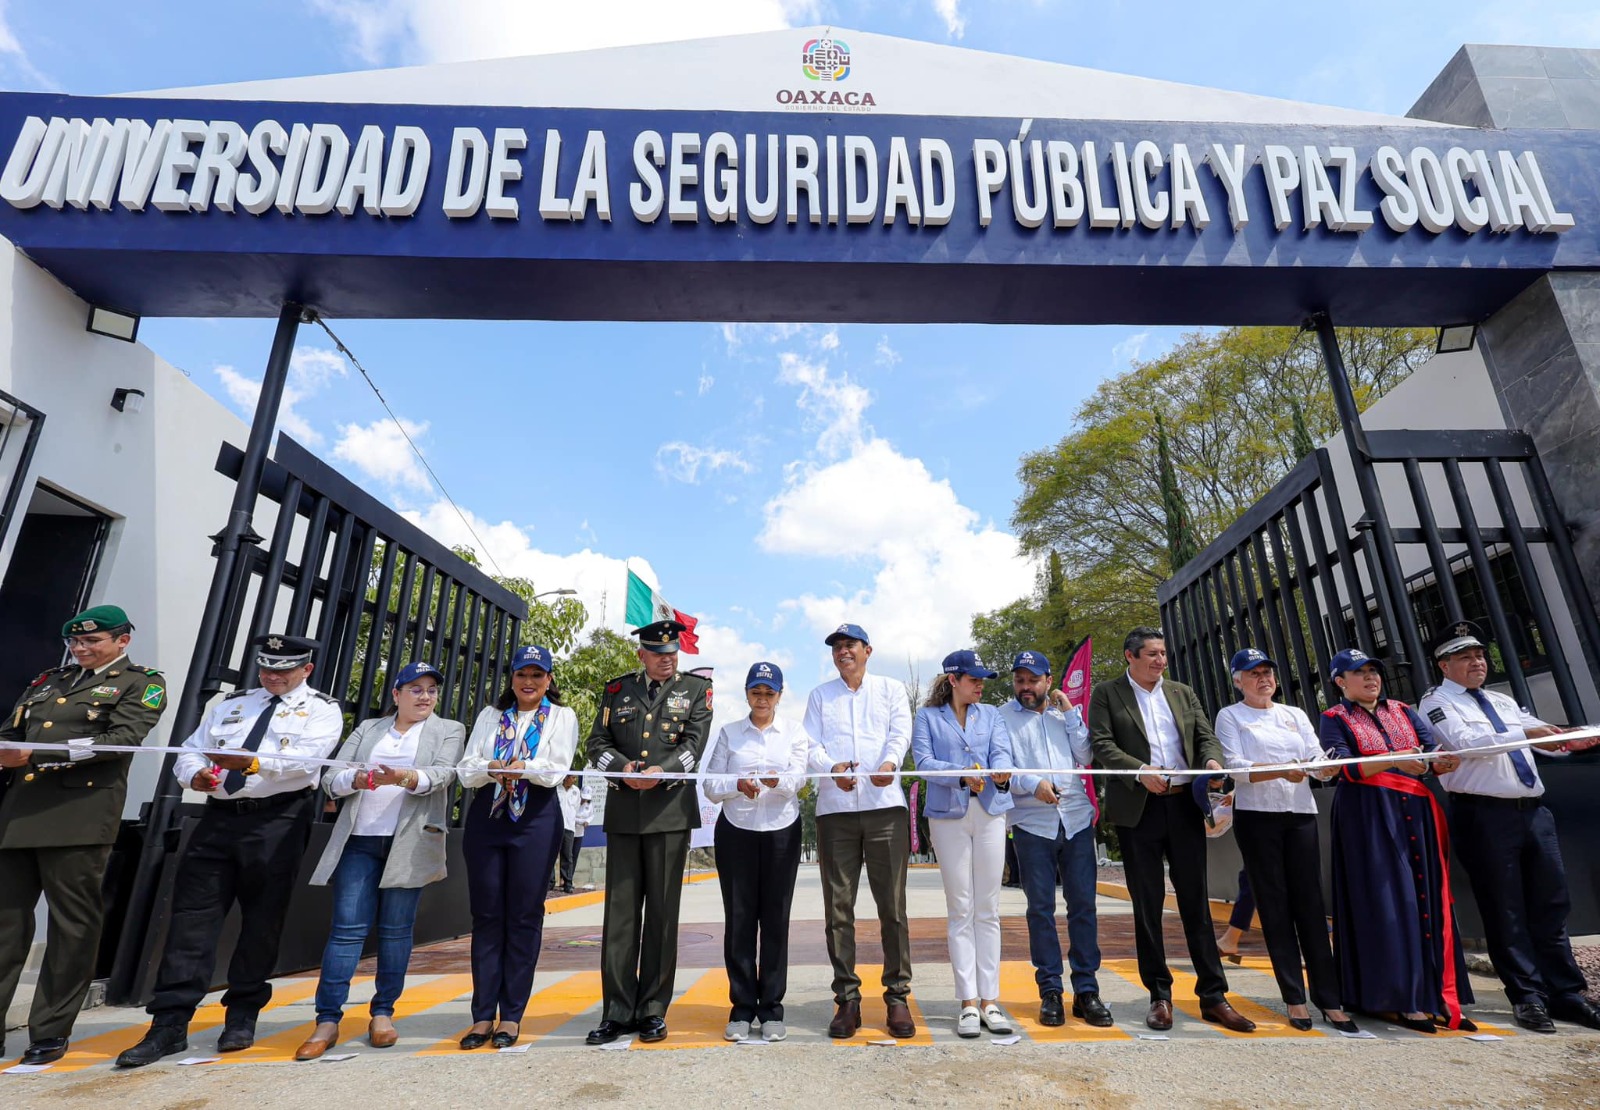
(955, 731)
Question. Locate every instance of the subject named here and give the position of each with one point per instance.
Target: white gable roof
(745, 73)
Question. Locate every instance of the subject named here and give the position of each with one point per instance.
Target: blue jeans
(1042, 859)
(357, 904)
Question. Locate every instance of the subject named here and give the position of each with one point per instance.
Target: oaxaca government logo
(826, 60)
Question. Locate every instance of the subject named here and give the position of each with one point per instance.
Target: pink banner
(1075, 681)
(916, 844)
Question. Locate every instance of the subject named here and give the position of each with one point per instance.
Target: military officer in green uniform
(651, 722)
(60, 814)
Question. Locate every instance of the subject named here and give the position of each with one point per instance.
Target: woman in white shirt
(388, 843)
(520, 750)
(756, 769)
(1275, 823)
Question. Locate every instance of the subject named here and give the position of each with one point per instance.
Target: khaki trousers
(880, 840)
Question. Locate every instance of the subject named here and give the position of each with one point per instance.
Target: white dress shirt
(1460, 723)
(379, 814)
(305, 725)
(868, 726)
(1049, 738)
(558, 743)
(1160, 726)
(743, 751)
(1277, 734)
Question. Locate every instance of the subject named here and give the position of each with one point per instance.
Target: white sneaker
(995, 1020)
(967, 1024)
(737, 1031)
(773, 1031)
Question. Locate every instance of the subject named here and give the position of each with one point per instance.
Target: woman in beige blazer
(388, 843)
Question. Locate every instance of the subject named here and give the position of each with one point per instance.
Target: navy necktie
(233, 781)
(655, 688)
(1519, 759)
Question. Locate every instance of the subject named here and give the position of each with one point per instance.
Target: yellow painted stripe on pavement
(1269, 1023)
(1019, 997)
(105, 1047)
(698, 1015)
(419, 997)
(548, 1010)
(875, 1015)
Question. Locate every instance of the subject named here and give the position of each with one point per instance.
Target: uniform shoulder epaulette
(53, 670)
(325, 697)
(697, 678)
(151, 671)
(621, 678)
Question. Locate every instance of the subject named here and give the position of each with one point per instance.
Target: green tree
(1301, 435)
(581, 675)
(1180, 536)
(998, 636)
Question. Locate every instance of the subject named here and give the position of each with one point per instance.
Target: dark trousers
(1514, 863)
(1172, 830)
(1043, 859)
(571, 845)
(1284, 862)
(644, 886)
(70, 879)
(250, 858)
(880, 840)
(508, 872)
(756, 871)
(1244, 906)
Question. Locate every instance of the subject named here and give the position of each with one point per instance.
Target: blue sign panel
(228, 208)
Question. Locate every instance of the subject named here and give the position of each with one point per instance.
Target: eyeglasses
(421, 691)
(85, 641)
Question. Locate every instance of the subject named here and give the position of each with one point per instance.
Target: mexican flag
(645, 606)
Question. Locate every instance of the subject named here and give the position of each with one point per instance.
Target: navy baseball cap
(966, 662)
(1033, 661)
(1248, 659)
(1351, 659)
(533, 656)
(764, 674)
(847, 632)
(413, 671)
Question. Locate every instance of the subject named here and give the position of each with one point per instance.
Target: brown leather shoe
(846, 1020)
(901, 1024)
(384, 1037)
(315, 1046)
(1226, 1016)
(1160, 1015)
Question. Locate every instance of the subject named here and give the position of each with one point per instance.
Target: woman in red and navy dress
(1394, 926)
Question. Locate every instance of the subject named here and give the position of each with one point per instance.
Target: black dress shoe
(653, 1029)
(1533, 1017)
(1345, 1026)
(159, 1041)
(237, 1037)
(474, 1040)
(502, 1039)
(1088, 1006)
(1302, 1024)
(1050, 1009)
(1416, 1025)
(1466, 1025)
(45, 1051)
(1579, 1011)
(608, 1031)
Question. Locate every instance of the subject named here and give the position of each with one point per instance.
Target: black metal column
(1397, 617)
(236, 534)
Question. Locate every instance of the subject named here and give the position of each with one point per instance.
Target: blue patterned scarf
(508, 749)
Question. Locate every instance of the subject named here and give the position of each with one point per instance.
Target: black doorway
(52, 570)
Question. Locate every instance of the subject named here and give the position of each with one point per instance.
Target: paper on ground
(1013, 1039)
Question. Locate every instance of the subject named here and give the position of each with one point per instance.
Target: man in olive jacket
(651, 721)
(1142, 722)
(60, 815)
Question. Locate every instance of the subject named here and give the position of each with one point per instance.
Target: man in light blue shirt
(1052, 827)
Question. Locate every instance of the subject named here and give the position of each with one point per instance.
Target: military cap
(660, 637)
(102, 618)
(277, 652)
(1460, 636)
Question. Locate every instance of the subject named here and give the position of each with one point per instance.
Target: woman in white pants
(954, 731)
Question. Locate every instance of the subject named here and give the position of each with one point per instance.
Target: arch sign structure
(802, 175)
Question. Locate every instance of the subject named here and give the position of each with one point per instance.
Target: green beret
(101, 618)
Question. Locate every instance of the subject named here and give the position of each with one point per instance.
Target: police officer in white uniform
(247, 848)
(1505, 835)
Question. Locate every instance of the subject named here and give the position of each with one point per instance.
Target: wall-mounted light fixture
(128, 400)
(116, 325)
(1457, 337)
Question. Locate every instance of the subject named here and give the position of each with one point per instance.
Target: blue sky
(775, 480)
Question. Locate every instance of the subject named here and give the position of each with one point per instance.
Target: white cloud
(833, 404)
(884, 354)
(310, 371)
(16, 68)
(703, 386)
(736, 336)
(420, 31)
(955, 24)
(684, 461)
(1127, 352)
(381, 452)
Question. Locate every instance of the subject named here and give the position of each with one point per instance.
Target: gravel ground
(1545, 1071)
